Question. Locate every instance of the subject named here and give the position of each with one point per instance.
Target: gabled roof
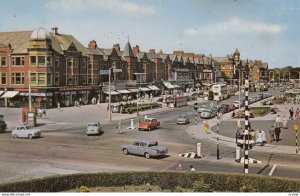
(186, 59)
(142, 56)
(221, 59)
(94, 51)
(180, 59)
(173, 57)
(128, 51)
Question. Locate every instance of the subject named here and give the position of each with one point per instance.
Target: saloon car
(207, 114)
(182, 119)
(149, 124)
(93, 128)
(144, 148)
(25, 131)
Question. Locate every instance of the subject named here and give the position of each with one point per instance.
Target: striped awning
(112, 92)
(134, 90)
(144, 89)
(153, 87)
(124, 91)
(10, 94)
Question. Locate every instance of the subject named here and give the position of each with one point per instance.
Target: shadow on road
(266, 166)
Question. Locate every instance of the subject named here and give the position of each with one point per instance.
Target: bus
(220, 92)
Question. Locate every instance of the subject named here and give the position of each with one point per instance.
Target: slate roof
(128, 51)
(221, 59)
(19, 41)
(153, 56)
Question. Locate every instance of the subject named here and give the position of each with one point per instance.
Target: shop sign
(104, 72)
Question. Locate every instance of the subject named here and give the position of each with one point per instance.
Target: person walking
(179, 167)
(119, 127)
(237, 136)
(278, 120)
(272, 132)
(277, 133)
(284, 122)
(206, 126)
(58, 106)
(291, 113)
(297, 113)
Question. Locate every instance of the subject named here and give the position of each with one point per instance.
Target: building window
(57, 78)
(49, 79)
(41, 79)
(33, 78)
(3, 78)
(18, 78)
(84, 63)
(76, 62)
(49, 62)
(33, 60)
(3, 61)
(56, 62)
(18, 61)
(41, 60)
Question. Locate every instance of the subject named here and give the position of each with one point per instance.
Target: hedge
(220, 182)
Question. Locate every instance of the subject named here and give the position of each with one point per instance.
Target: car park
(93, 128)
(144, 148)
(182, 119)
(24, 131)
(207, 114)
(148, 124)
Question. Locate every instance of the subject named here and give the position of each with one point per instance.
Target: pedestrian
(277, 133)
(44, 111)
(284, 122)
(192, 168)
(278, 120)
(237, 136)
(272, 132)
(119, 127)
(291, 113)
(98, 102)
(58, 106)
(179, 167)
(206, 126)
(107, 107)
(297, 113)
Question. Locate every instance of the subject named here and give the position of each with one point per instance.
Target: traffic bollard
(199, 150)
(131, 124)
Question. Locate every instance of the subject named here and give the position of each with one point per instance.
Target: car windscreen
(93, 125)
(153, 144)
(147, 120)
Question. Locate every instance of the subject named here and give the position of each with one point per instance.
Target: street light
(109, 91)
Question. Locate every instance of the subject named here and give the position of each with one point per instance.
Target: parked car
(202, 108)
(236, 104)
(149, 124)
(93, 128)
(207, 114)
(183, 119)
(231, 106)
(144, 148)
(25, 132)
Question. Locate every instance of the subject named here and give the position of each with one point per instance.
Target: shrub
(199, 186)
(83, 189)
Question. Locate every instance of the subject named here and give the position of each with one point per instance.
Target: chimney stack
(116, 47)
(92, 44)
(152, 51)
(136, 49)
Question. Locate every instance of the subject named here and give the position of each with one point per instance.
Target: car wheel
(147, 155)
(29, 136)
(15, 136)
(125, 151)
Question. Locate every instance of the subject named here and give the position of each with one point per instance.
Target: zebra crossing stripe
(191, 155)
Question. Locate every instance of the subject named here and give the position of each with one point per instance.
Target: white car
(236, 104)
(25, 132)
(93, 128)
(202, 108)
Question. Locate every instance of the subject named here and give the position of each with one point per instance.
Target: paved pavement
(71, 117)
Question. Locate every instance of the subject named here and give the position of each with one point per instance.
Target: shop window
(49, 79)
(3, 61)
(18, 61)
(41, 78)
(3, 78)
(33, 60)
(41, 60)
(33, 78)
(18, 78)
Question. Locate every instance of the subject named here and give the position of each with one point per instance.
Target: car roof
(145, 141)
(150, 118)
(93, 122)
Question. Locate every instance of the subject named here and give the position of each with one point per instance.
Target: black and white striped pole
(218, 117)
(196, 113)
(247, 115)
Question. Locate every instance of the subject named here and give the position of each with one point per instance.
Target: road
(71, 151)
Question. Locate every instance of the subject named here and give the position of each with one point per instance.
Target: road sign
(117, 70)
(296, 126)
(104, 72)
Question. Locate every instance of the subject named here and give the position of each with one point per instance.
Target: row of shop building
(59, 69)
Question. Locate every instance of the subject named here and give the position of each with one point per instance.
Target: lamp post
(29, 89)
(109, 95)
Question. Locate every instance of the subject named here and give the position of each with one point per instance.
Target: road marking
(272, 170)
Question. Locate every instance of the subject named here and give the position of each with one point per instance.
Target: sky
(267, 30)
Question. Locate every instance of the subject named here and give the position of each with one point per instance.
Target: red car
(231, 106)
(149, 124)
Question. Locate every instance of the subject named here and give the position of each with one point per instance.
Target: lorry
(3, 125)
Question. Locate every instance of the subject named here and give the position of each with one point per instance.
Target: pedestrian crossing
(191, 155)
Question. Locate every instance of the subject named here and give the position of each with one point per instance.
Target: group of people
(294, 113)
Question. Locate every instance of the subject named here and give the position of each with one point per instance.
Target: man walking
(119, 127)
(277, 133)
(272, 133)
(291, 113)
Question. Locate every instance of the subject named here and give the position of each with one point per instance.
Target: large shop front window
(18, 78)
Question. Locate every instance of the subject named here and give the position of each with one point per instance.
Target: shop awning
(153, 87)
(10, 94)
(111, 92)
(124, 91)
(144, 89)
(169, 85)
(134, 90)
(1, 92)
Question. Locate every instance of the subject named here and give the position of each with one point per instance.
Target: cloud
(236, 26)
(119, 6)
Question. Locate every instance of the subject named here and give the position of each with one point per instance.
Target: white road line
(272, 170)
